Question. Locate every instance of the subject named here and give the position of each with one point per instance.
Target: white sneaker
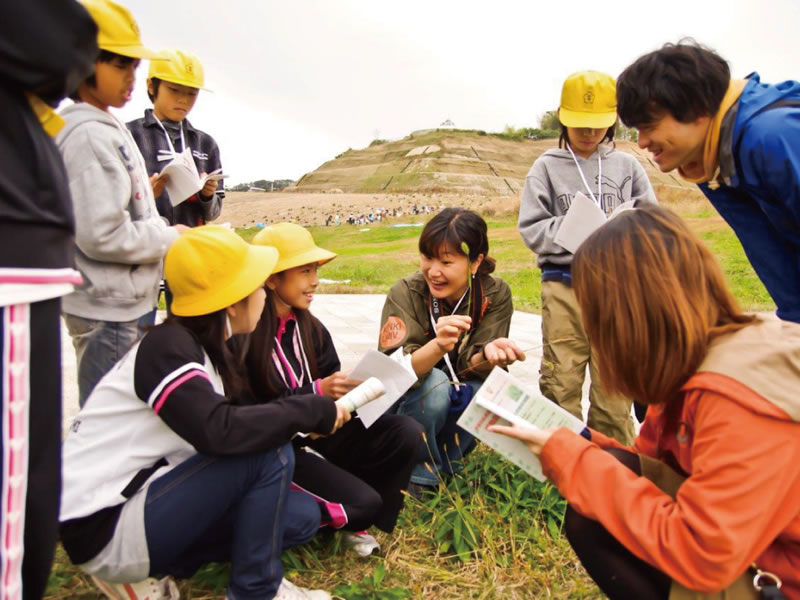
(290, 591)
(363, 543)
(147, 589)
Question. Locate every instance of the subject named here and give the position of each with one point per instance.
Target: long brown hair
(652, 297)
(265, 382)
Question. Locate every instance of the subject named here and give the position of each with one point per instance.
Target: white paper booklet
(582, 219)
(184, 180)
(394, 372)
(507, 395)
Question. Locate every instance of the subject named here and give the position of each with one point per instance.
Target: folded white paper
(582, 219)
(523, 406)
(184, 180)
(394, 372)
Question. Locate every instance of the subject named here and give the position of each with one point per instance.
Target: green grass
(374, 259)
(491, 532)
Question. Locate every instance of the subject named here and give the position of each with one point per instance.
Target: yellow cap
(295, 246)
(117, 29)
(180, 67)
(209, 268)
(588, 99)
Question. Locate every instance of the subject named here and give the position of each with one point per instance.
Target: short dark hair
(156, 82)
(563, 139)
(685, 79)
(104, 57)
(450, 228)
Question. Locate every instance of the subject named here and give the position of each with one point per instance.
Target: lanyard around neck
(171, 150)
(283, 365)
(435, 302)
(583, 177)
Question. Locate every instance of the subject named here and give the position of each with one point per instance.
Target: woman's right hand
(449, 329)
(337, 385)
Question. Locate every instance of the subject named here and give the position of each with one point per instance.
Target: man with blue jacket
(739, 139)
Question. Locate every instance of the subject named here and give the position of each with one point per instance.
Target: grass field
(490, 532)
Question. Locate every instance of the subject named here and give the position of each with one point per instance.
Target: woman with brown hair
(710, 490)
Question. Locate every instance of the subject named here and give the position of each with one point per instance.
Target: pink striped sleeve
(172, 386)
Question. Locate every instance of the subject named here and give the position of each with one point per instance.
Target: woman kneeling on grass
(452, 316)
(358, 474)
(162, 474)
(710, 490)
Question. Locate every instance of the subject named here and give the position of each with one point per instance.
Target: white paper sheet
(581, 220)
(512, 395)
(396, 375)
(184, 180)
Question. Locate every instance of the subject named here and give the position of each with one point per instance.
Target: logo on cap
(189, 68)
(588, 97)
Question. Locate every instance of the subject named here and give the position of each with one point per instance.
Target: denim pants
(446, 443)
(99, 345)
(236, 508)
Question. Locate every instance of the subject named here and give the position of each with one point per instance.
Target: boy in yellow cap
(120, 238)
(581, 163)
(173, 86)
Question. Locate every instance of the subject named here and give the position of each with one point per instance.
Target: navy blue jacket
(150, 138)
(760, 192)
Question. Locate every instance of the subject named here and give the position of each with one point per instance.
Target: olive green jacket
(406, 320)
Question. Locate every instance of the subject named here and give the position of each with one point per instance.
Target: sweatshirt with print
(552, 183)
(120, 238)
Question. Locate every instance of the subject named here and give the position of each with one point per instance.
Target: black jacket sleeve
(169, 375)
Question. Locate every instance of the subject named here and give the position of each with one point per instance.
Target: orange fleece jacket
(739, 505)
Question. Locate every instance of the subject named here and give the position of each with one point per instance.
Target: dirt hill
(447, 161)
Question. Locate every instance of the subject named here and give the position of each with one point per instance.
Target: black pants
(363, 469)
(30, 340)
(617, 571)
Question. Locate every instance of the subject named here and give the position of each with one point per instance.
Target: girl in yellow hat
(291, 352)
(161, 472)
(581, 163)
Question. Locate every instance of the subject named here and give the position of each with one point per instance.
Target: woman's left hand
(533, 437)
(502, 352)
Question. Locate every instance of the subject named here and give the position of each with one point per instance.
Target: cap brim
(135, 52)
(315, 255)
(180, 82)
(570, 118)
(258, 266)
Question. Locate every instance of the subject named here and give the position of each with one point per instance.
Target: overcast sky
(296, 82)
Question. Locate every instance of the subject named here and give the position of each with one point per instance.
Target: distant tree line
(269, 186)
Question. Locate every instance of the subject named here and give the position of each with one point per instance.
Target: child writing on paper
(711, 485)
(173, 86)
(581, 163)
(359, 481)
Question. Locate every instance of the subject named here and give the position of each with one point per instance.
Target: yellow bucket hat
(183, 68)
(209, 268)
(295, 246)
(117, 30)
(588, 99)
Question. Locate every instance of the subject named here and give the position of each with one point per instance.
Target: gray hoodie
(552, 183)
(120, 238)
